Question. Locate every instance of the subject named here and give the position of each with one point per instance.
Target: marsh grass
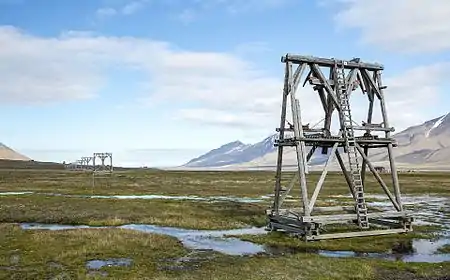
(201, 183)
(444, 249)
(63, 255)
(375, 244)
(96, 212)
(47, 254)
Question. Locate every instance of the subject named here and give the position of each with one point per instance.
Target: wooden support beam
(326, 219)
(373, 128)
(355, 234)
(281, 137)
(322, 177)
(371, 82)
(294, 179)
(323, 99)
(349, 64)
(394, 174)
(298, 132)
(315, 68)
(346, 173)
(378, 177)
(362, 85)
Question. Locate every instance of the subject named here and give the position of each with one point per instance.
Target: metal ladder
(350, 147)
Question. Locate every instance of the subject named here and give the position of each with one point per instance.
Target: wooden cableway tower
(345, 78)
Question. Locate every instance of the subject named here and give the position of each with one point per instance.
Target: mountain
(427, 143)
(6, 153)
(423, 144)
(233, 153)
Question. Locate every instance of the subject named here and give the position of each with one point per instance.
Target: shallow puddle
(216, 240)
(98, 264)
(213, 240)
(170, 197)
(148, 197)
(14, 193)
(423, 251)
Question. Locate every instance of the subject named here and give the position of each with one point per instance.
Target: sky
(158, 82)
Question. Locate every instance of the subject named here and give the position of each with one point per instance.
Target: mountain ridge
(426, 143)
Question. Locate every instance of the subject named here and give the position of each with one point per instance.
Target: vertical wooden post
(370, 96)
(394, 174)
(280, 138)
(298, 133)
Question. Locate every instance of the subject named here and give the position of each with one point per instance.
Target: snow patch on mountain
(436, 125)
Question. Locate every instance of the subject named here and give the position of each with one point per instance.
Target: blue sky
(159, 82)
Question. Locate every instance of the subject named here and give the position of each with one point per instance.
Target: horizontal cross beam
(330, 62)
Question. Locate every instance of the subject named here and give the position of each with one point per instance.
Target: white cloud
(401, 25)
(205, 87)
(127, 9)
(106, 12)
(196, 8)
(134, 7)
(412, 96)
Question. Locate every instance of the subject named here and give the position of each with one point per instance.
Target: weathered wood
(327, 86)
(322, 178)
(371, 82)
(378, 177)
(298, 132)
(303, 219)
(294, 179)
(281, 137)
(345, 172)
(394, 174)
(330, 62)
(325, 219)
(372, 128)
(323, 99)
(356, 234)
(332, 140)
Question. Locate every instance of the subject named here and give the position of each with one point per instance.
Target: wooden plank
(348, 64)
(349, 217)
(371, 82)
(300, 147)
(281, 137)
(294, 179)
(315, 68)
(392, 164)
(378, 177)
(322, 177)
(356, 234)
(346, 173)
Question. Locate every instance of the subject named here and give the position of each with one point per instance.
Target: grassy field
(243, 183)
(63, 254)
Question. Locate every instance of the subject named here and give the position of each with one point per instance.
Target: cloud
(36, 70)
(238, 6)
(134, 7)
(106, 12)
(127, 9)
(412, 95)
(213, 88)
(402, 25)
(196, 8)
